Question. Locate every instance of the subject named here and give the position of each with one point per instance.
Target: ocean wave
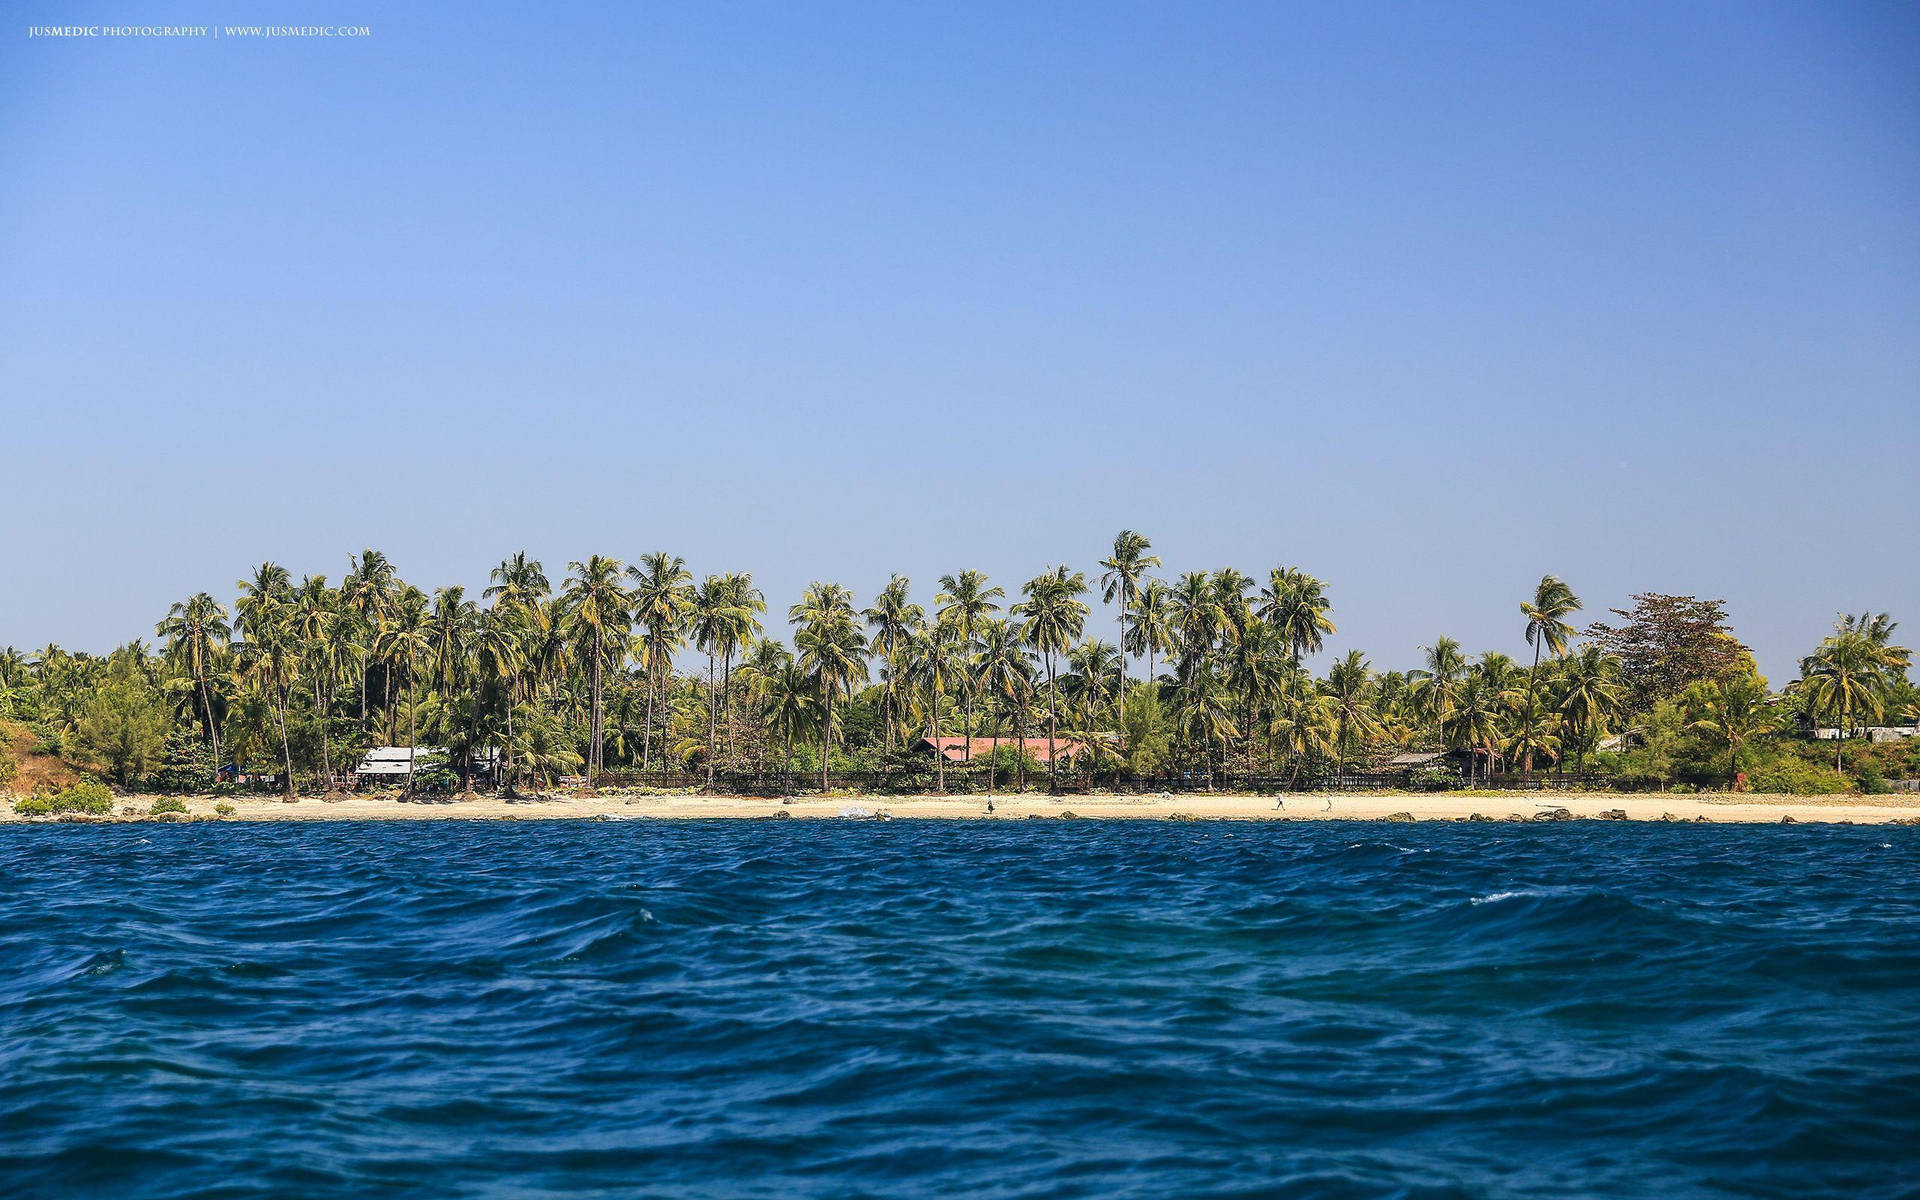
(935, 1009)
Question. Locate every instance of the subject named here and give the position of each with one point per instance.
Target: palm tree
(264, 616)
(1587, 696)
(1350, 687)
(741, 627)
(662, 596)
(787, 698)
(930, 663)
(893, 619)
(1151, 629)
(1732, 708)
(196, 630)
(313, 618)
(964, 602)
(1305, 724)
(1004, 674)
(1846, 677)
(403, 641)
(1479, 716)
(1052, 618)
(832, 649)
(367, 592)
(595, 608)
(1553, 601)
(1203, 716)
(715, 620)
(1436, 683)
(1296, 603)
(1096, 673)
(1122, 572)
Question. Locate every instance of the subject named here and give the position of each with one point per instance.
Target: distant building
(1873, 733)
(955, 749)
(392, 762)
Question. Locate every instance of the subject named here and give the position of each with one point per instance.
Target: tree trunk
(412, 747)
(286, 748)
(326, 756)
(713, 721)
(939, 758)
(1053, 781)
(213, 730)
(646, 732)
(1526, 765)
(826, 743)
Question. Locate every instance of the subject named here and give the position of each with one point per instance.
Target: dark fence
(975, 782)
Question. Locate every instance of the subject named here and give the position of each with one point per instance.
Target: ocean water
(841, 1008)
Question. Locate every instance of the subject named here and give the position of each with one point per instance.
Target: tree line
(644, 668)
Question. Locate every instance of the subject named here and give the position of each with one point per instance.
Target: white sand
(1720, 807)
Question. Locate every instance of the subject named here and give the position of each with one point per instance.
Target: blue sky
(1426, 300)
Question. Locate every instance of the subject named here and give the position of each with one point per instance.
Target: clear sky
(1428, 300)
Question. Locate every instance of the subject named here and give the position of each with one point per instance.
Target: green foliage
(1790, 775)
(88, 797)
(167, 804)
(124, 730)
(1435, 779)
(8, 768)
(186, 765)
(1143, 722)
(223, 809)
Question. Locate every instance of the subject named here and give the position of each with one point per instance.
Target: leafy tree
(965, 602)
(124, 731)
(1666, 643)
(833, 651)
(594, 606)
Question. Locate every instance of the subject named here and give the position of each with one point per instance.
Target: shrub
(1434, 779)
(1872, 780)
(223, 809)
(87, 796)
(8, 768)
(1797, 777)
(167, 804)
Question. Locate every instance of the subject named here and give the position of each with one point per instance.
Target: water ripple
(1098, 1009)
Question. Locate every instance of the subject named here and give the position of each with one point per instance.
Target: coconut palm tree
(1587, 695)
(933, 663)
(313, 616)
(786, 697)
(719, 620)
(595, 608)
(1052, 618)
(367, 592)
(663, 595)
(1479, 715)
(1350, 687)
(1305, 724)
(1553, 601)
(1093, 682)
(893, 618)
(403, 641)
(1150, 632)
(742, 626)
(832, 649)
(1003, 673)
(1846, 678)
(1435, 684)
(965, 601)
(1731, 709)
(1296, 604)
(196, 631)
(1122, 572)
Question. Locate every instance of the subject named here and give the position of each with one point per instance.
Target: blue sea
(916, 1009)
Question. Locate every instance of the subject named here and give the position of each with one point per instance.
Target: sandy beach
(1365, 806)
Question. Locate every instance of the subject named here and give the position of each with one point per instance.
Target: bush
(1797, 777)
(1872, 780)
(167, 804)
(223, 809)
(87, 796)
(8, 768)
(1434, 779)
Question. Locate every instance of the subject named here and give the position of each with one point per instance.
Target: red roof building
(954, 749)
